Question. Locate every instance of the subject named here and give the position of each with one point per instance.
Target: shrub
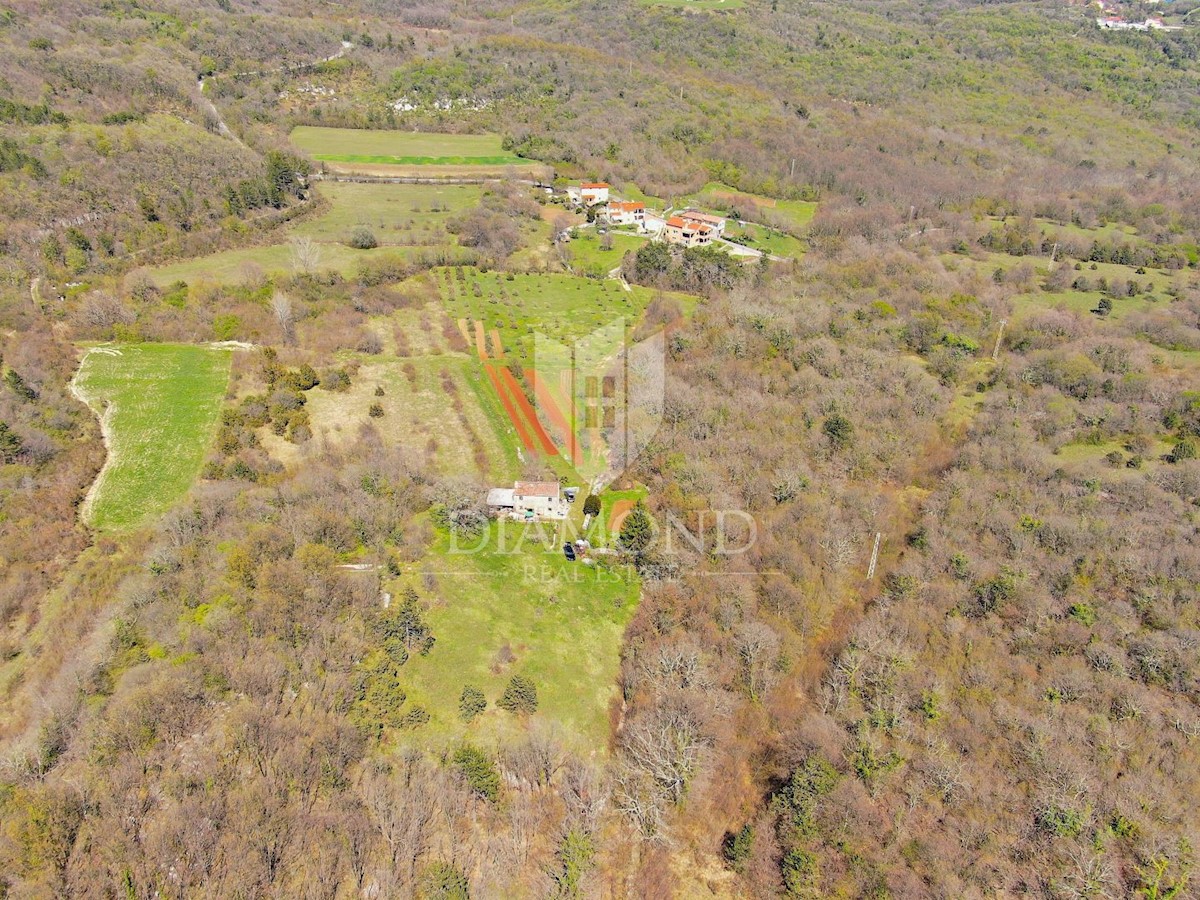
(444, 881)
(1083, 613)
(363, 238)
(839, 430)
(414, 718)
(738, 847)
(477, 771)
(1059, 821)
(375, 411)
(1185, 449)
(591, 506)
(520, 697)
(471, 703)
(10, 444)
(636, 530)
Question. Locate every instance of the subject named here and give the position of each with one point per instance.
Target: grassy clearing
(405, 219)
(405, 152)
(768, 240)
(717, 197)
(561, 624)
(397, 214)
(331, 142)
(236, 266)
(590, 259)
(1107, 232)
(1080, 301)
(1090, 455)
(162, 403)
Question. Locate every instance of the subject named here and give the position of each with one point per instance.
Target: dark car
(569, 552)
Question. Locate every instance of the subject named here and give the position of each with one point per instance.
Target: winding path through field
(105, 417)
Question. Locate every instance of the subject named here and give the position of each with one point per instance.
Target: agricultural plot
(159, 405)
(437, 407)
(518, 607)
(238, 266)
(405, 219)
(552, 327)
(400, 153)
(410, 215)
(519, 306)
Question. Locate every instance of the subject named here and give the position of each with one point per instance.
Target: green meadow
(518, 607)
(404, 218)
(160, 404)
(402, 147)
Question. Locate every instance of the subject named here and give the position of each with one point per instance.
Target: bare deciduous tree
(281, 306)
(306, 255)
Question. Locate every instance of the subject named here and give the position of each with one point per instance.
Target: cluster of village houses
(1111, 20)
(687, 228)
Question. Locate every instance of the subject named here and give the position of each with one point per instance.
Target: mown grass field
(405, 152)
(397, 214)
(524, 611)
(386, 146)
(236, 266)
(162, 403)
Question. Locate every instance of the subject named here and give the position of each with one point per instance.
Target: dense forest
(987, 355)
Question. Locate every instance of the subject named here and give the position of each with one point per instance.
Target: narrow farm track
(497, 346)
(105, 418)
(480, 340)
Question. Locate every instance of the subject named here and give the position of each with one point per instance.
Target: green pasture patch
(160, 404)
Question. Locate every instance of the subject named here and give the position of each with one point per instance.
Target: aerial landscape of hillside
(599, 449)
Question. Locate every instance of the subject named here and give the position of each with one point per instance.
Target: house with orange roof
(687, 233)
(716, 223)
(589, 193)
(620, 212)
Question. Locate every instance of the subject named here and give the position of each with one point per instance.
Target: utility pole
(999, 337)
(793, 167)
(874, 556)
